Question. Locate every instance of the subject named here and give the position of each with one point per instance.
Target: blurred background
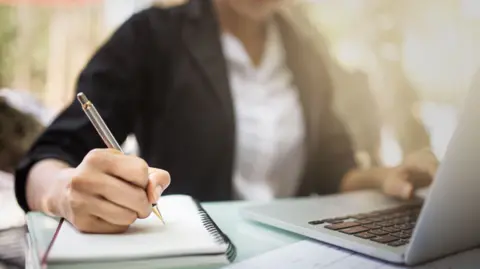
(401, 69)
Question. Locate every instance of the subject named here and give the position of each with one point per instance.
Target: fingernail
(158, 192)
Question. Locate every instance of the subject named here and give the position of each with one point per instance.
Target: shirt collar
(273, 55)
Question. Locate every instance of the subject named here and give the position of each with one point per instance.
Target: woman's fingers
(397, 184)
(404, 180)
(110, 212)
(158, 181)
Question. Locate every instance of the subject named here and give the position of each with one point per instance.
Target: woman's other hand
(417, 171)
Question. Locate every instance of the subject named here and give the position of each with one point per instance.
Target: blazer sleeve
(337, 153)
(113, 80)
(341, 158)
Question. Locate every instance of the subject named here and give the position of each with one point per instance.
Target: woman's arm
(114, 80)
(66, 174)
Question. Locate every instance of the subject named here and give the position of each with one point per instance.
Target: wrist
(372, 178)
(46, 186)
(56, 199)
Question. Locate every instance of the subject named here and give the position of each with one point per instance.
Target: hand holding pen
(111, 142)
(107, 191)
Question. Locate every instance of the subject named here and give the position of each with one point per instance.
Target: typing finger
(398, 185)
(419, 177)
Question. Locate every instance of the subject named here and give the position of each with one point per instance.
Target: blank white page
(183, 234)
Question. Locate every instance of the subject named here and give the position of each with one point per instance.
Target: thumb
(158, 181)
(398, 185)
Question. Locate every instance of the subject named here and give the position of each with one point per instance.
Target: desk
(250, 238)
(253, 239)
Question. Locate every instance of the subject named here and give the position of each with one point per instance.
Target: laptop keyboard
(393, 226)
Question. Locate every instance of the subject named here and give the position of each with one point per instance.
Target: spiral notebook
(189, 238)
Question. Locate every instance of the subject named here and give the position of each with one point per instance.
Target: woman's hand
(417, 171)
(107, 192)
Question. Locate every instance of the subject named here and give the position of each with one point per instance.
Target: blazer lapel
(201, 37)
(313, 83)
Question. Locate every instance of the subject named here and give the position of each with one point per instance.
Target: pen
(105, 133)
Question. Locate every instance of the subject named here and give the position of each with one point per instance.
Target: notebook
(189, 238)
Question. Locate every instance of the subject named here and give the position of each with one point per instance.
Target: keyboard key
(316, 222)
(365, 221)
(398, 243)
(411, 219)
(372, 226)
(354, 230)
(365, 235)
(415, 212)
(342, 225)
(333, 221)
(405, 226)
(388, 217)
(378, 232)
(402, 235)
(385, 223)
(373, 214)
(401, 221)
(397, 215)
(384, 239)
(391, 229)
(389, 226)
(410, 207)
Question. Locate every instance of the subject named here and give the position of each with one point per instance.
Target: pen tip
(157, 213)
(82, 98)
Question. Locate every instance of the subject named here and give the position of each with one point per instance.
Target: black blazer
(163, 77)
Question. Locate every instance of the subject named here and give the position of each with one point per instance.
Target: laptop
(445, 222)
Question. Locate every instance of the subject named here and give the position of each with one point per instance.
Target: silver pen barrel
(98, 123)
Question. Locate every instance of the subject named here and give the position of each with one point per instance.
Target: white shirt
(270, 128)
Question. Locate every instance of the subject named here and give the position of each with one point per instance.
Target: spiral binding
(217, 234)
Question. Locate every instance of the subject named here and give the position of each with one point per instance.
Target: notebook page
(183, 234)
(315, 255)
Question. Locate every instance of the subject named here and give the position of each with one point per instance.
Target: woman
(223, 95)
